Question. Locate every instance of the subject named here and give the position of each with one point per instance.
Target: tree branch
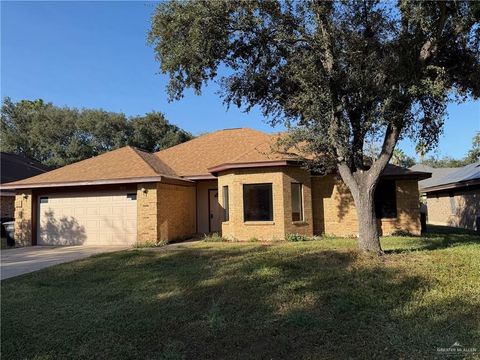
(430, 47)
(391, 137)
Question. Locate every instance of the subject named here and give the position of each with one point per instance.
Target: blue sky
(95, 55)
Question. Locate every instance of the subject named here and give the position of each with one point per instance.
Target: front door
(214, 211)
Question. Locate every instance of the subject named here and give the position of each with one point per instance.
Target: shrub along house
(229, 181)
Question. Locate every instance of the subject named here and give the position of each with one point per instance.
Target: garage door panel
(92, 211)
(118, 211)
(80, 211)
(87, 218)
(107, 210)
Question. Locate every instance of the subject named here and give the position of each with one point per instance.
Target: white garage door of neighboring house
(100, 218)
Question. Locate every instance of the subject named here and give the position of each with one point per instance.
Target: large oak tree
(339, 74)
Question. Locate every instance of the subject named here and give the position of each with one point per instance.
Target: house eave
(200, 177)
(162, 178)
(451, 186)
(256, 164)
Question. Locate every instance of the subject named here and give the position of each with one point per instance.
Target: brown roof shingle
(195, 157)
(123, 163)
(199, 157)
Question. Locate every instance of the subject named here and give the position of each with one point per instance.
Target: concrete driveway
(20, 261)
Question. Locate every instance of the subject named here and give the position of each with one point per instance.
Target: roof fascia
(165, 179)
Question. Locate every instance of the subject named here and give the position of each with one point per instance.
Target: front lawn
(310, 300)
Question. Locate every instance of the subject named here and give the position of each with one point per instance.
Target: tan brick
(165, 212)
(457, 208)
(335, 214)
(282, 224)
(23, 218)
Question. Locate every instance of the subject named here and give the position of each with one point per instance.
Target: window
(226, 210)
(132, 196)
(43, 200)
(297, 202)
(257, 202)
(386, 200)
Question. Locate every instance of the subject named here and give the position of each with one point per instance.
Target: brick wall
(23, 218)
(408, 209)
(334, 211)
(236, 228)
(176, 211)
(297, 175)
(147, 212)
(458, 208)
(282, 224)
(7, 206)
(165, 212)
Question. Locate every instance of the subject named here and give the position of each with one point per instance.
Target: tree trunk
(362, 184)
(368, 239)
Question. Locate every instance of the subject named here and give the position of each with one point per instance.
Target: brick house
(454, 199)
(231, 182)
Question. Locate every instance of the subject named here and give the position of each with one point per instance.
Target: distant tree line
(58, 136)
(401, 159)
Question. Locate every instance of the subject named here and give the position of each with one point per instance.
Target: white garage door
(101, 218)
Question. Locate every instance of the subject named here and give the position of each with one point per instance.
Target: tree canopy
(339, 74)
(399, 158)
(57, 136)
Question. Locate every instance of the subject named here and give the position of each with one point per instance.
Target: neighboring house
(230, 181)
(437, 173)
(454, 199)
(15, 167)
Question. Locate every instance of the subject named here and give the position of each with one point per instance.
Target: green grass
(303, 300)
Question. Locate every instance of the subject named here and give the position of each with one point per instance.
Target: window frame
(272, 215)
(301, 198)
(226, 203)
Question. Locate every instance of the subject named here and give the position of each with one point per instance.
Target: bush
(215, 237)
(150, 244)
(296, 237)
(253, 239)
(400, 232)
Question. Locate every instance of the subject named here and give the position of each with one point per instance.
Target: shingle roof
(195, 157)
(15, 167)
(123, 163)
(398, 171)
(461, 177)
(436, 174)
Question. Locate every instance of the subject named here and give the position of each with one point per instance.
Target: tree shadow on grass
(441, 240)
(237, 303)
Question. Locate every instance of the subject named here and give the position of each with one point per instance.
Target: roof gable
(456, 178)
(123, 163)
(195, 157)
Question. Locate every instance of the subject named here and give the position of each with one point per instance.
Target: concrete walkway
(14, 262)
